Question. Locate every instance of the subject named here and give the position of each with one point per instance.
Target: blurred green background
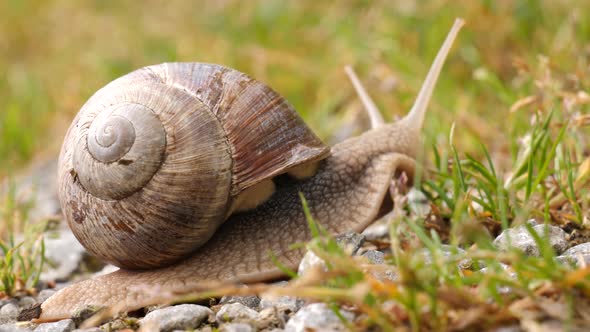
(55, 54)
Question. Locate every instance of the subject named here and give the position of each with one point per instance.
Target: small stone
(521, 239)
(509, 328)
(251, 301)
(63, 253)
(379, 229)
(122, 324)
(178, 317)
(503, 266)
(16, 327)
(576, 255)
(66, 325)
(236, 327)
(26, 301)
(568, 260)
(510, 272)
(271, 317)
(418, 202)
(85, 312)
(45, 294)
(374, 256)
(309, 261)
(235, 311)
(574, 261)
(205, 328)
(384, 273)
(317, 317)
(283, 303)
(379, 270)
(92, 329)
(448, 252)
(583, 249)
(350, 242)
(9, 313)
(533, 222)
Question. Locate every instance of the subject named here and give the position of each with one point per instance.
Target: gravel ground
(252, 313)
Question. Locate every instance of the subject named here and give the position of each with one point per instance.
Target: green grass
(21, 246)
(437, 293)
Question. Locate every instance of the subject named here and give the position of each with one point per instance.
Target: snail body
(345, 187)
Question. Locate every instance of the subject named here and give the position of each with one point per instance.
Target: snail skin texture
(345, 185)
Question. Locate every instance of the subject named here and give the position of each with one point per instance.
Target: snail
(132, 153)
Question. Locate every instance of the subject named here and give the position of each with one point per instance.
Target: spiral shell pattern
(153, 161)
(149, 174)
(125, 141)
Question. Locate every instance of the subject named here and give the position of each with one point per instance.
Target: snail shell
(153, 161)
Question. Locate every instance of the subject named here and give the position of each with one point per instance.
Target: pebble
(26, 302)
(251, 301)
(534, 222)
(575, 253)
(45, 294)
(178, 317)
(7, 300)
(125, 324)
(66, 325)
(521, 239)
(508, 269)
(448, 252)
(379, 269)
(309, 261)
(64, 255)
(9, 312)
(284, 303)
(92, 329)
(418, 203)
(510, 328)
(317, 317)
(16, 327)
(374, 256)
(236, 327)
(384, 272)
(350, 242)
(270, 318)
(235, 311)
(580, 249)
(379, 229)
(503, 266)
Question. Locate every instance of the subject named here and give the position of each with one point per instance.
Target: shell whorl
(151, 164)
(124, 148)
(145, 172)
(111, 138)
